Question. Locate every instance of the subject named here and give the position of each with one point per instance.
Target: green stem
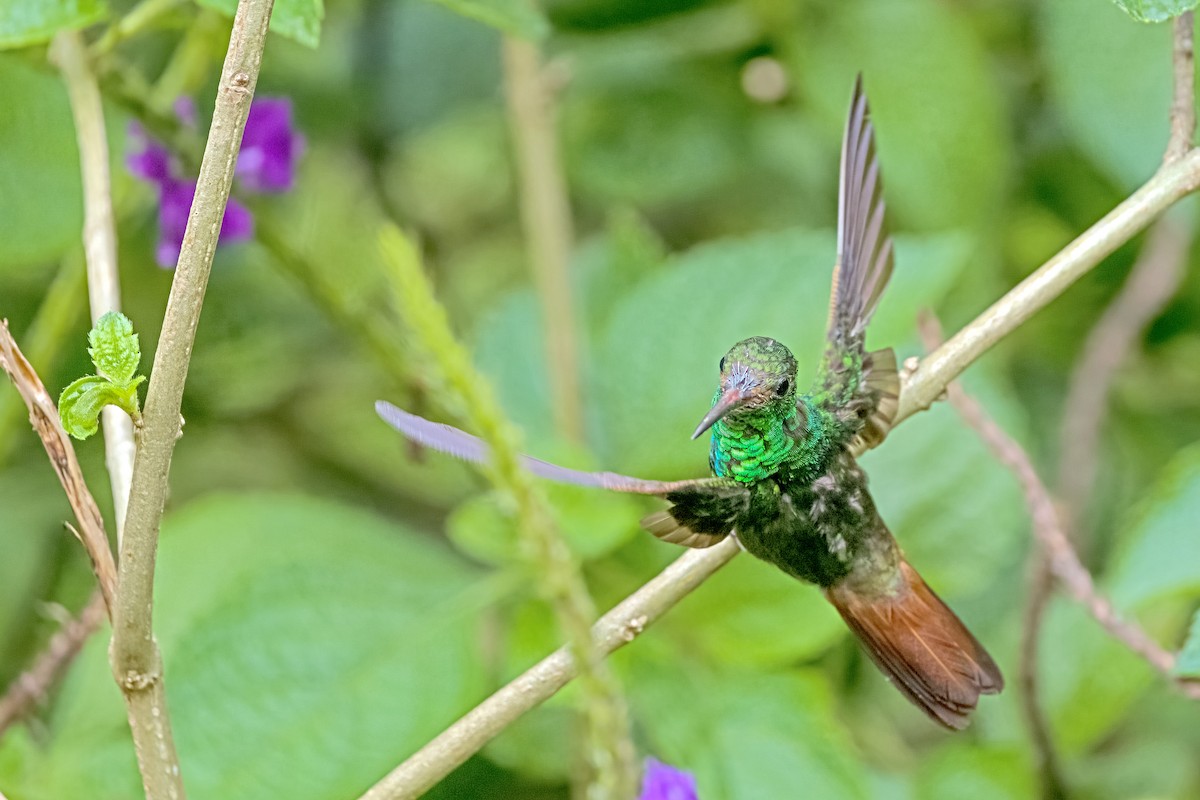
(546, 217)
(136, 662)
(608, 749)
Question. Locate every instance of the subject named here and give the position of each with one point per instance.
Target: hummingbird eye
(721, 364)
(783, 387)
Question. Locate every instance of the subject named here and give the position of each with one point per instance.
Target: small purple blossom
(270, 148)
(267, 164)
(664, 782)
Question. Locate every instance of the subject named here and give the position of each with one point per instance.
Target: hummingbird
(784, 478)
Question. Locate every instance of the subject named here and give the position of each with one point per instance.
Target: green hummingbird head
(758, 376)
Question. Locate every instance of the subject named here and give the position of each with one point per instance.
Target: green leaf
(80, 403)
(114, 347)
(1188, 663)
(518, 17)
(1155, 10)
(1158, 555)
(745, 734)
(286, 623)
(26, 22)
(979, 772)
(41, 202)
(1107, 66)
(1089, 680)
(298, 20)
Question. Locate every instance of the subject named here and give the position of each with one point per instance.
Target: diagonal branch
(1061, 558)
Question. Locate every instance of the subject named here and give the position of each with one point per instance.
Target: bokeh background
(329, 599)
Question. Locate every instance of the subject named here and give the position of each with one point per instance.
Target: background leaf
(299, 20)
(1155, 10)
(24, 23)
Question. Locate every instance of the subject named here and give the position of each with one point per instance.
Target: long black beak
(728, 401)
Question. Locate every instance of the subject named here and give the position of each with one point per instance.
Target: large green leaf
(746, 734)
(1155, 10)
(296, 19)
(41, 203)
(1158, 555)
(26, 22)
(656, 362)
(941, 129)
(1112, 82)
(307, 646)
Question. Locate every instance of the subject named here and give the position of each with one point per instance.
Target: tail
(921, 646)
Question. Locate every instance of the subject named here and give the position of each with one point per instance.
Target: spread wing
(703, 511)
(861, 388)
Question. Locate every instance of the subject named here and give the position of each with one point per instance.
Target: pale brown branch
(1069, 572)
(43, 415)
(614, 630)
(33, 685)
(135, 657)
(546, 218)
(1172, 182)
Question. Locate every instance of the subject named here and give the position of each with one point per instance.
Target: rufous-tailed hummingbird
(785, 481)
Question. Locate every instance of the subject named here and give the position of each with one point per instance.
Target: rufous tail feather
(922, 646)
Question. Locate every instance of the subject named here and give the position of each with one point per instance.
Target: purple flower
(664, 782)
(267, 164)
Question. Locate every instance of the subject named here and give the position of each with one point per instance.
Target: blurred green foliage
(330, 599)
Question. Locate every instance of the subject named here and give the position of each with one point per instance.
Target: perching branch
(537, 684)
(136, 662)
(546, 218)
(608, 750)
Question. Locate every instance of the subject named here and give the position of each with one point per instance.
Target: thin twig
(546, 217)
(608, 750)
(1041, 585)
(920, 390)
(1069, 572)
(1152, 281)
(136, 661)
(34, 684)
(614, 630)
(1183, 103)
(43, 415)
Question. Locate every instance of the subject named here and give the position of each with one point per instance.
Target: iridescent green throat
(756, 444)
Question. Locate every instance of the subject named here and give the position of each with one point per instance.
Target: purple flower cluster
(266, 163)
(664, 782)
